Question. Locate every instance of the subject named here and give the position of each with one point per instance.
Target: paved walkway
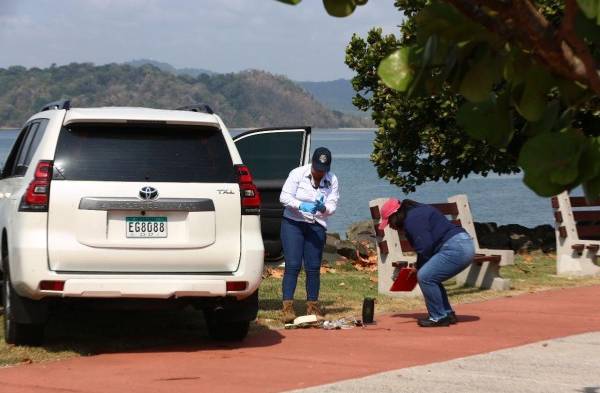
(570, 364)
(284, 360)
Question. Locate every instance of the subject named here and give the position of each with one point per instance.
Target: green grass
(84, 332)
(531, 273)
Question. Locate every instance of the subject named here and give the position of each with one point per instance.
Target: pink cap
(390, 207)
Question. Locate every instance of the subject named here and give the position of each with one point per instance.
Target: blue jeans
(453, 257)
(302, 241)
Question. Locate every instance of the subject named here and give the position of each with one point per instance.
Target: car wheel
(223, 330)
(17, 333)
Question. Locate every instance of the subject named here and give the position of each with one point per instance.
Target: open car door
(270, 154)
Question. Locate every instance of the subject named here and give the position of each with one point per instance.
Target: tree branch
(567, 32)
(518, 21)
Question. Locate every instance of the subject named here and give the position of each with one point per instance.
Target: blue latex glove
(308, 207)
(319, 205)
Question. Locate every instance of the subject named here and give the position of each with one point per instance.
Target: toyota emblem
(148, 193)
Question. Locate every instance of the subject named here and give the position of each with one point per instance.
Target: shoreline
(243, 129)
(490, 235)
(370, 129)
(353, 129)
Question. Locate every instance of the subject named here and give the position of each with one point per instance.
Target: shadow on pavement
(92, 332)
(414, 316)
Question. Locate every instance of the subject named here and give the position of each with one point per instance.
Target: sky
(301, 42)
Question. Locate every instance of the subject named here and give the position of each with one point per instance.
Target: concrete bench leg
(485, 276)
(576, 265)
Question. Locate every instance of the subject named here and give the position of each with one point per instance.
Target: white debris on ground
(311, 321)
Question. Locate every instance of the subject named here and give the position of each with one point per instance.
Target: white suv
(140, 203)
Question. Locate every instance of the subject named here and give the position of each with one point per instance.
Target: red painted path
(281, 360)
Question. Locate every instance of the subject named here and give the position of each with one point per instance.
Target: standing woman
(310, 195)
(443, 250)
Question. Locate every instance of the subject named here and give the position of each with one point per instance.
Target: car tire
(16, 333)
(223, 330)
(230, 321)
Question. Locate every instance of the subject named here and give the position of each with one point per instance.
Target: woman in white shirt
(310, 195)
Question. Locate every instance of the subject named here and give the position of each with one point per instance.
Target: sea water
(501, 199)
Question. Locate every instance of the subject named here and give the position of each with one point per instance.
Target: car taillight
(248, 191)
(236, 286)
(52, 285)
(37, 194)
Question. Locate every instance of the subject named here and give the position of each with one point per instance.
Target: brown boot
(288, 311)
(313, 308)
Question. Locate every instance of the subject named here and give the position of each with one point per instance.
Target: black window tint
(9, 165)
(21, 163)
(135, 152)
(35, 141)
(271, 155)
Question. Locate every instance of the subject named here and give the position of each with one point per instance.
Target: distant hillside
(336, 95)
(193, 72)
(245, 99)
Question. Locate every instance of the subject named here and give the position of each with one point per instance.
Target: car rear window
(142, 152)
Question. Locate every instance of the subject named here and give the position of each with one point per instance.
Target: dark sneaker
(452, 318)
(431, 323)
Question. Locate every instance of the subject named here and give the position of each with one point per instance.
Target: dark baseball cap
(321, 159)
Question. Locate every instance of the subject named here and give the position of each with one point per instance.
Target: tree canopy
(484, 85)
(418, 138)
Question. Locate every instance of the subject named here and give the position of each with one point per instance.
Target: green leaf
(551, 161)
(446, 21)
(591, 188)
(587, 28)
(516, 66)
(479, 79)
(571, 92)
(532, 102)
(589, 7)
(589, 163)
(548, 120)
(489, 120)
(396, 70)
(566, 119)
(419, 86)
(339, 8)
(566, 174)
(430, 50)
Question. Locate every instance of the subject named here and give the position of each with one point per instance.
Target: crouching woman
(443, 250)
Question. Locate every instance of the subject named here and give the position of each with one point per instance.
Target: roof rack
(60, 104)
(197, 108)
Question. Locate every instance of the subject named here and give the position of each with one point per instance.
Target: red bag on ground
(406, 280)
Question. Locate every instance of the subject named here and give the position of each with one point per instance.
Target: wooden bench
(394, 251)
(577, 226)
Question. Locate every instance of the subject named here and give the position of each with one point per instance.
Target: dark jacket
(427, 229)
